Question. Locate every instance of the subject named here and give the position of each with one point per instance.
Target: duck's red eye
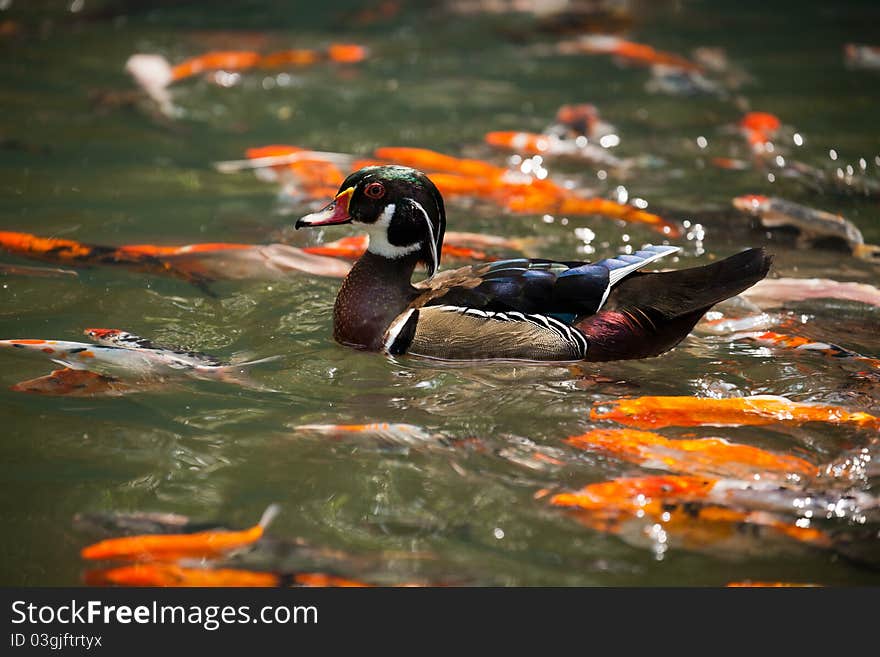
(375, 190)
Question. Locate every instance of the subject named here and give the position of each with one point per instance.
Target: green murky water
(435, 80)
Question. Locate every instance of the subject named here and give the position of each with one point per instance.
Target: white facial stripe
(435, 260)
(378, 232)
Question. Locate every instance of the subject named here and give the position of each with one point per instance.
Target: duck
(522, 309)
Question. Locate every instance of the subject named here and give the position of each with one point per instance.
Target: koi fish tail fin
(259, 361)
(269, 515)
(236, 373)
(649, 313)
(153, 73)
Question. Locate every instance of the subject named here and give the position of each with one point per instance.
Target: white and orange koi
(154, 73)
(528, 143)
(628, 51)
(724, 325)
(799, 343)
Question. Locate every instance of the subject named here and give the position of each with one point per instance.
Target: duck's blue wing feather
(564, 290)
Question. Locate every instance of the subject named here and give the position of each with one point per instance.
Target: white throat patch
(378, 232)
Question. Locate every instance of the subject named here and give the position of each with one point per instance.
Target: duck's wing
(563, 290)
(646, 314)
(518, 309)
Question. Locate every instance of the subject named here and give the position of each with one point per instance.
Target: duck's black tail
(649, 313)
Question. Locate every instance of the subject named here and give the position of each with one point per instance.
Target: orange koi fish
(759, 410)
(529, 143)
(798, 343)
(74, 253)
(196, 263)
(154, 73)
(636, 53)
(680, 511)
(775, 291)
(774, 585)
(428, 160)
(706, 457)
(521, 194)
(240, 60)
(324, 580)
(167, 574)
(759, 128)
(171, 547)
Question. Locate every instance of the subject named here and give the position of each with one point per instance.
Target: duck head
(399, 207)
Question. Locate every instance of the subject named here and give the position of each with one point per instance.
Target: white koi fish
(141, 362)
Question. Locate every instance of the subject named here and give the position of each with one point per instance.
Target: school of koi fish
(747, 456)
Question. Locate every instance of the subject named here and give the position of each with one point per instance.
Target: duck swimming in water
(522, 309)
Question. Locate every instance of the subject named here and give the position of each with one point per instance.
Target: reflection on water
(464, 496)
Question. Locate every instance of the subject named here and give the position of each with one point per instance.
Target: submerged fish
(724, 325)
(168, 574)
(174, 575)
(776, 291)
(682, 511)
(636, 53)
(798, 343)
(655, 412)
(70, 382)
(529, 143)
(126, 340)
(171, 547)
(154, 73)
(812, 225)
(390, 432)
(199, 264)
(37, 272)
(707, 457)
(133, 361)
(676, 81)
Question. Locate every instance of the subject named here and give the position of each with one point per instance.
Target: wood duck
(522, 309)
